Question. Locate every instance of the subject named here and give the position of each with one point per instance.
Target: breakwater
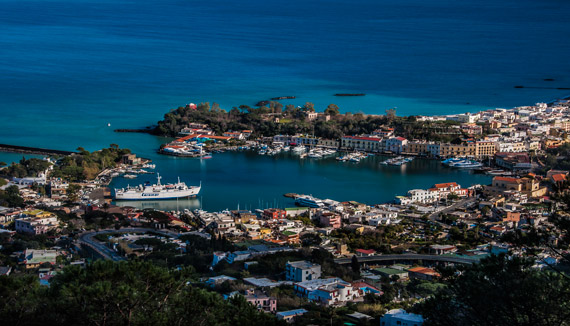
(32, 150)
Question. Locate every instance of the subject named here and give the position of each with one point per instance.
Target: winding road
(87, 239)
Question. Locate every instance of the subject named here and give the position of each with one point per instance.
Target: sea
(73, 71)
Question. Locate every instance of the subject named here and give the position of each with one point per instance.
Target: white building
(362, 143)
(301, 271)
(331, 291)
(423, 196)
(399, 317)
(396, 144)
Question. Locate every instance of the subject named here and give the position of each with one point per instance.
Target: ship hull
(157, 195)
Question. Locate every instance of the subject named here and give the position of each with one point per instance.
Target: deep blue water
(68, 68)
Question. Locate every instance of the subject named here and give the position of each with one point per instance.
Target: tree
(332, 110)
(127, 293)
(501, 290)
(11, 197)
(73, 192)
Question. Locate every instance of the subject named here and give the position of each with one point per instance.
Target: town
(321, 261)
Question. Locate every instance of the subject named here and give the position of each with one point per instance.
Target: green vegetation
(128, 293)
(26, 168)
(293, 120)
(10, 197)
(557, 158)
(500, 291)
(85, 165)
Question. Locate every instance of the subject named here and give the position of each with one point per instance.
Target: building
(399, 317)
(34, 258)
(329, 143)
(328, 292)
(396, 144)
(329, 219)
(513, 161)
(274, 214)
(485, 149)
(423, 196)
(131, 159)
(422, 273)
(39, 223)
(527, 185)
(441, 249)
(362, 143)
(301, 271)
(262, 301)
(365, 252)
(290, 315)
(458, 150)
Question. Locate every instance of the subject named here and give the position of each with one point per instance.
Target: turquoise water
(69, 68)
(253, 181)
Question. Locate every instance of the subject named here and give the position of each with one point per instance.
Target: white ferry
(157, 191)
(309, 201)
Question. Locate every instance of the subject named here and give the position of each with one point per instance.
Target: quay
(32, 150)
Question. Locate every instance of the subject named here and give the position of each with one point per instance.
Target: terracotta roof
(445, 185)
(363, 138)
(558, 177)
(507, 179)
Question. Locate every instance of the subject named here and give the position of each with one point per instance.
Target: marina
(249, 180)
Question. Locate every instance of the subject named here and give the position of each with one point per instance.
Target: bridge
(406, 257)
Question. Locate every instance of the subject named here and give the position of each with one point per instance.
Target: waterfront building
(306, 140)
(234, 135)
(362, 143)
(329, 143)
(458, 150)
(301, 271)
(485, 149)
(423, 196)
(396, 144)
(399, 317)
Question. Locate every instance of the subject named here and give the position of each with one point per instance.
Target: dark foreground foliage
(501, 291)
(126, 293)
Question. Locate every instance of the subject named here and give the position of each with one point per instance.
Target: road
(406, 257)
(464, 202)
(108, 253)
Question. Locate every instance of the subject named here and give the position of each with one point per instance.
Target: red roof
(558, 177)
(363, 138)
(366, 251)
(401, 138)
(445, 185)
(507, 179)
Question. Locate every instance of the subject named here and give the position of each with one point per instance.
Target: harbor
(248, 180)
